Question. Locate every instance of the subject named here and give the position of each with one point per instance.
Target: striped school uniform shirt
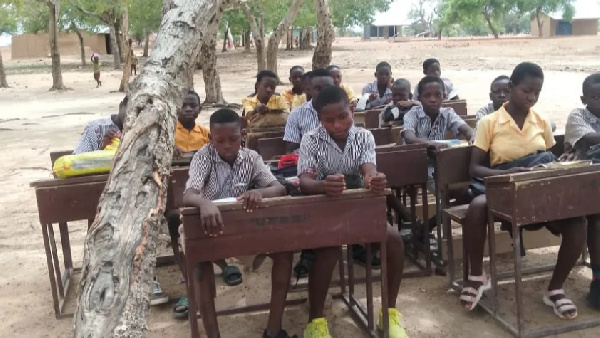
(214, 178)
(379, 101)
(301, 120)
(321, 155)
(92, 138)
(485, 110)
(420, 123)
(580, 123)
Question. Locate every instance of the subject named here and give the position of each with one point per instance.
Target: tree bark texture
(123, 87)
(210, 74)
(322, 53)
(119, 250)
(258, 35)
(3, 82)
(114, 47)
(57, 80)
(282, 28)
(146, 43)
(247, 41)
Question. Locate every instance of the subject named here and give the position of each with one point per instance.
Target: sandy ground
(34, 121)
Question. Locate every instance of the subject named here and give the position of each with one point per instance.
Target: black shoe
(594, 295)
(307, 257)
(280, 334)
(359, 254)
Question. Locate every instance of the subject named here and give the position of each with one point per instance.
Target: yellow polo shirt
(499, 135)
(350, 92)
(256, 120)
(190, 140)
(293, 100)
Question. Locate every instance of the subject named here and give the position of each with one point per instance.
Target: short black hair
(430, 79)
(224, 115)
(589, 81)
(525, 69)
(329, 95)
(264, 74)
(191, 92)
(401, 83)
(383, 64)
(124, 102)
(427, 63)
(333, 67)
(319, 73)
(297, 67)
(499, 78)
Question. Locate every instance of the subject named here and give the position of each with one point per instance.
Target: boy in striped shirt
(334, 156)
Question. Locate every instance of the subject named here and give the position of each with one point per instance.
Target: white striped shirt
(379, 101)
(92, 138)
(301, 120)
(580, 123)
(420, 123)
(485, 110)
(320, 154)
(214, 178)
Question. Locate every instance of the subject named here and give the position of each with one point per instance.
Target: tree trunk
(247, 41)
(322, 53)
(57, 80)
(120, 42)
(225, 38)
(540, 23)
(81, 45)
(282, 28)
(123, 87)
(115, 47)
(440, 32)
(258, 35)
(488, 19)
(146, 43)
(289, 44)
(3, 82)
(212, 81)
(119, 251)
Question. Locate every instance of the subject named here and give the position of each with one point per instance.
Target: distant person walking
(96, 66)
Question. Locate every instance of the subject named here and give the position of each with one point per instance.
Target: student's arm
(282, 105)
(88, 141)
(292, 135)
(409, 131)
(372, 179)
(333, 185)
(466, 131)
(579, 132)
(459, 126)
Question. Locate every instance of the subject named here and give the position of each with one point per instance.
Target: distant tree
(323, 50)
(539, 7)
(348, 13)
(53, 7)
(9, 12)
(492, 11)
(144, 19)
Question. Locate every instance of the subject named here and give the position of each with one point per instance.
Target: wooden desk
(459, 106)
(372, 118)
(271, 147)
(534, 197)
(356, 217)
(361, 116)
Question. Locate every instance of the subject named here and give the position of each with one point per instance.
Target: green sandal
(180, 311)
(232, 275)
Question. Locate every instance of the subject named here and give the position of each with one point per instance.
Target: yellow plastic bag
(94, 162)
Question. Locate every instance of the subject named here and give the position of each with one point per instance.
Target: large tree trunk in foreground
(258, 35)
(3, 82)
(322, 53)
(127, 49)
(119, 251)
(57, 80)
(146, 43)
(115, 47)
(282, 28)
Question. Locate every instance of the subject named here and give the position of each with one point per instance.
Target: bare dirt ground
(34, 121)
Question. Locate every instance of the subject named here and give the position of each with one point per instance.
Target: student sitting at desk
(100, 133)
(498, 95)
(401, 103)
(512, 140)
(336, 73)
(335, 156)
(380, 92)
(223, 169)
(583, 135)
(432, 67)
(265, 108)
(295, 96)
(304, 118)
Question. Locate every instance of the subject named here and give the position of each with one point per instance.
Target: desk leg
(350, 271)
(190, 282)
(66, 245)
(384, 291)
(518, 286)
(369, 287)
(50, 264)
(342, 272)
(493, 272)
(61, 290)
(427, 230)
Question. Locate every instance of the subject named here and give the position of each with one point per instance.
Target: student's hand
(405, 104)
(377, 182)
(211, 220)
(437, 145)
(567, 156)
(109, 136)
(334, 185)
(178, 153)
(261, 108)
(373, 97)
(517, 170)
(251, 200)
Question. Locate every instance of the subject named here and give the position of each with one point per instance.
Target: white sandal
(560, 306)
(473, 296)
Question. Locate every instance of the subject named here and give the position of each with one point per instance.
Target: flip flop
(471, 296)
(561, 306)
(232, 275)
(180, 310)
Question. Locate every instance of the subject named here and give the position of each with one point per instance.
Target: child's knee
(283, 258)
(574, 228)
(394, 240)
(329, 254)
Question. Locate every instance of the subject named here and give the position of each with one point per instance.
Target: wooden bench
(356, 217)
(459, 106)
(268, 148)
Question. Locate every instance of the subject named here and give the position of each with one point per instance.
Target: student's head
(401, 90)
(525, 85)
(336, 74)
(591, 93)
(333, 108)
(296, 74)
(226, 133)
(431, 93)
(123, 110)
(266, 82)
(306, 84)
(190, 108)
(319, 79)
(432, 67)
(383, 73)
(499, 91)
